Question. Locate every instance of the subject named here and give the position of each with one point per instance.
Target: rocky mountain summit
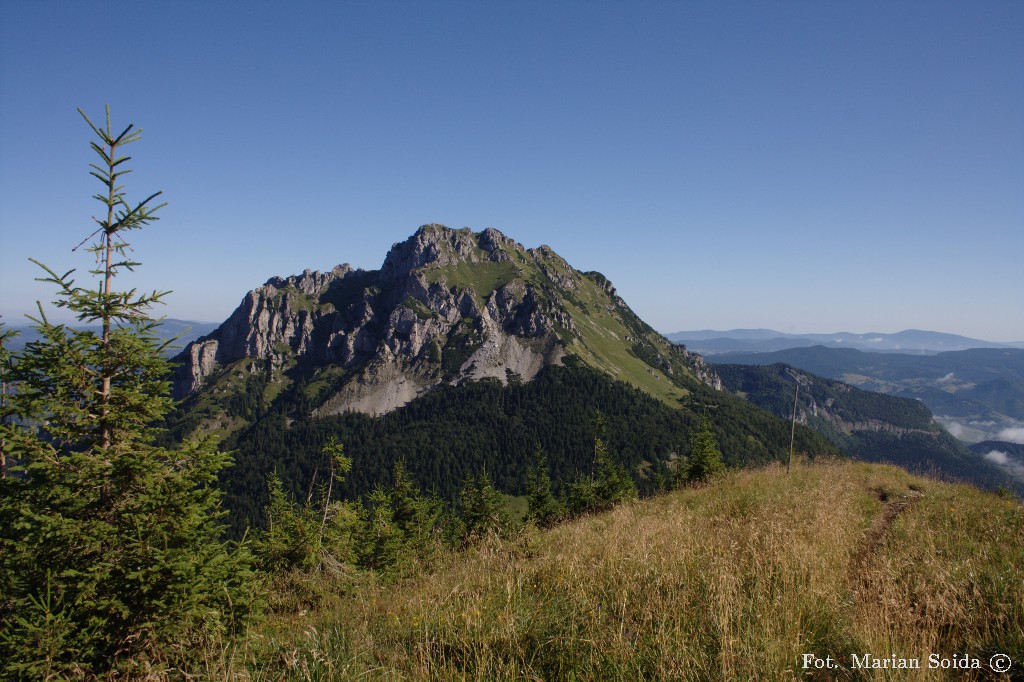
(445, 307)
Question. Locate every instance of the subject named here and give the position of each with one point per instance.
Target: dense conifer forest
(462, 431)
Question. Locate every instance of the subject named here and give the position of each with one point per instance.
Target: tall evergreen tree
(483, 509)
(110, 551)
(609, 485)
(543, 508)
(705, 457)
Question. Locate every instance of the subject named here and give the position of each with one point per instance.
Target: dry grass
(732, 581)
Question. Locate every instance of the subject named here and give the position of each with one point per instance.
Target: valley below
(977, 394)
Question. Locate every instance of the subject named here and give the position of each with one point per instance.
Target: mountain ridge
(465, 352)
(977, 394)
(913, 341)
(866, 425)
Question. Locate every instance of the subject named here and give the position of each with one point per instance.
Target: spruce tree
(705, 457)
(543, 508)
(609, 485)
(483, 509)
(315, 535)
(397, 526)
(110, 548)
(614, 484)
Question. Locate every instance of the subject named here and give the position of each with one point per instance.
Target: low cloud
(955, 429)
(999, 457)
(949, 378)
(1015, 435)
(1004, 460)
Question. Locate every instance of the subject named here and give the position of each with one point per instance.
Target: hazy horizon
(13, 322)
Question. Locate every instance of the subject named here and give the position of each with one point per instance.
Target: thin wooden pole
(3, 404)
(792, 430)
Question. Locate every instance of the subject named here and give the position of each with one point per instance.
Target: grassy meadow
(736, 580)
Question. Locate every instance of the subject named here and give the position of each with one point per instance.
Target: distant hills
(977, 394)
(185, 331)
(872, 426)
(975, 388)
(711, 342)
(1009, 456)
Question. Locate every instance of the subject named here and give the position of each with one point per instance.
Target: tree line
(457, 432)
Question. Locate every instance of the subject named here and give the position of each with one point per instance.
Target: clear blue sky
(805, 166)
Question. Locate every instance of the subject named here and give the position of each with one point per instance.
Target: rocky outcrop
(271, 323)
(705, 374)
(437, 245)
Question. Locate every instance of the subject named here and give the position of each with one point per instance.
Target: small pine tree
(397, 526)
(543, 508)
(309, 536)
(110, 546)
(614, 484)
(610, 484)
(380, 543)
(581, 496)
(416, 515)
(288, 541)
(705, 457)
(484, 511)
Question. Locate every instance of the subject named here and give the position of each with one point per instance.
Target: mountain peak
(446, 306)
(437, 245)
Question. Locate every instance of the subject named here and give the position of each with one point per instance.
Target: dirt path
(875, 537)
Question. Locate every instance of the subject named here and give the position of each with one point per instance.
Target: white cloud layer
(999, 457)
(1014, 435)
(954, 428)
(1004, 460)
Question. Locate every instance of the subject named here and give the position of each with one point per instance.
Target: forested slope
(870, 426)
(460, 431)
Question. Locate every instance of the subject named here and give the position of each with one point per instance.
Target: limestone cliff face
(270, 319)
(445, 306)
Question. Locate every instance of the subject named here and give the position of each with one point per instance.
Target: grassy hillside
(737, 580)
